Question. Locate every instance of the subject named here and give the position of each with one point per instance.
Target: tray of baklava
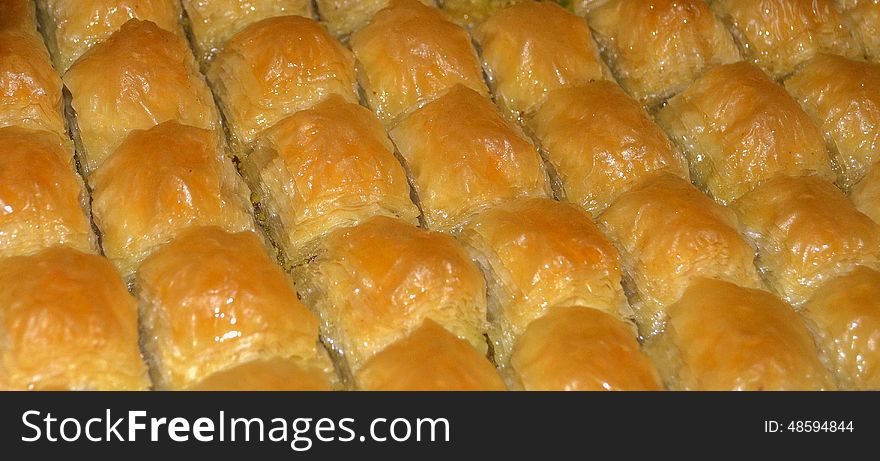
(439, 195)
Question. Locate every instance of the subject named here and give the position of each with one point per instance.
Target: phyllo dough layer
(325, 167)
(429, 359)
(463, 156)
(532, 48)
(159, 182)
(139, 77)
(30, 89)
(536, 254)
(807, 232)
(739, 128)
(77, 25)
(211, 301)
(582, 349)
(600, 142)
(843, 98)
(845, 315)
(375, 283)
(276, 67)
(656, 48)
(67, 323)
(670, 234)
(213, 22)
(410, 54)
(43, 200)
(780, 34)
(724, 337)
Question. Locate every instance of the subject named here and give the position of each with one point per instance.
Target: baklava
(68, 323)
(139, 77)
(778, 35)
(845, 316)
(739, 128)
(429, 359)
(536, 254)
(376, 283)
(74, 26)
(843, 98)
(463, 156)
(213, 302)
(159, 182)
(582, 349)
(409, 54)
(30, 89)
(321, 168)
(807, 232)
(43, 200)
(656, 48)
(600, 142)
(18, 15)
(866, 194)
(724, 337)
(532, 48)
(213, 22)
(864, 16)
(275, 67)
(669, 234)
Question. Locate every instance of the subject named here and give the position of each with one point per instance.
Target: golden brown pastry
(326, 167)
(211, 301)
(538, 253)
(343, 17)
(410, 54)
(375, 283)
(30, 89)
(429, 359)
(864, 20)
(724, 337)
(780, 34)
(139, 77)
(656, 48)
(866, 194)
(276, 67)
(807, 232)
(463, 156)
(213, 22)
(601, 142)
(739, 128)
(845, 315)
(159, 182)
(268, 375)
(67, 323)
(582, 349)
(74, 26)
(18, 15)
(670, 234)
(42, 200)
(532, 48)
(843, 98)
